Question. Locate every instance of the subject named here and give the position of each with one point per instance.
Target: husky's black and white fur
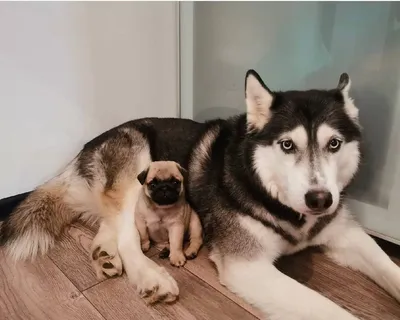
(265, 184)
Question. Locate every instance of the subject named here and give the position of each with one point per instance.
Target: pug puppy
(163, 214)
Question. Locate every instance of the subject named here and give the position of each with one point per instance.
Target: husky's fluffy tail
(34, 225)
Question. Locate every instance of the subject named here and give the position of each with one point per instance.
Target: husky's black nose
(318, 199)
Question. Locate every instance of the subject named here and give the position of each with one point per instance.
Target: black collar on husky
(272, 205)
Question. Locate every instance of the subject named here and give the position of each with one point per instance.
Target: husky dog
(266, 183)
(163, 215)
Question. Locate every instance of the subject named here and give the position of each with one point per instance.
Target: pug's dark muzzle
(165, 195)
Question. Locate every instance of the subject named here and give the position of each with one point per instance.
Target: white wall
(69, 71)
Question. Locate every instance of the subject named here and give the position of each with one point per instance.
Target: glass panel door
(300, 45)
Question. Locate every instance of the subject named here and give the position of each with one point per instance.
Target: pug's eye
(176, 182)
(152, 184)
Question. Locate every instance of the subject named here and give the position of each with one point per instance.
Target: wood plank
(116, 299)
(72, 255)
(203, 300)
(310, 268)
(349, 289)
(38, 291)
(203, 268)
(345, 287)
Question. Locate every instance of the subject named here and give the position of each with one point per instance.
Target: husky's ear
(142, 176)
(344, 87)
(258, 101)
(183, 172)
(344, 83)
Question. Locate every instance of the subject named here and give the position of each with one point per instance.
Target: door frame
(186, 51)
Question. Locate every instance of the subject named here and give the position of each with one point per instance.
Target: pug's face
(163, 182)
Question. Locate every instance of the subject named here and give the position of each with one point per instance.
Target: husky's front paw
(106, 264)
(155, 284)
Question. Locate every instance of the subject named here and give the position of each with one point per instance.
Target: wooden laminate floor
(63, 286)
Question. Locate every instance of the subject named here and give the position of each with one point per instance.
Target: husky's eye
(334, 145)
(287, 145)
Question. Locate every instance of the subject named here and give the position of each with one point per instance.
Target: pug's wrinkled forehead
(164, 170)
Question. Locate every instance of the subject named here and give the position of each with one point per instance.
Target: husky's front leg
(276, 295)
(350, 246)
(153, 282)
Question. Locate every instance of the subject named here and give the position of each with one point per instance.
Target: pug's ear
(183, 172)
(142, 176)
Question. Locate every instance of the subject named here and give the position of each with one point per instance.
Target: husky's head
(306, 143)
